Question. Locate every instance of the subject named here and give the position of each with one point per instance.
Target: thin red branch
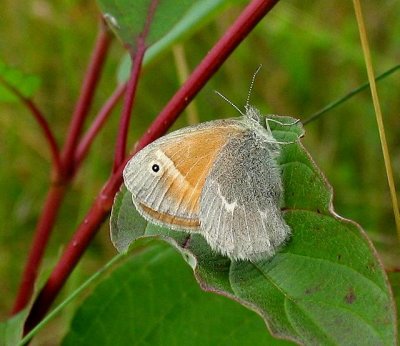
(46, 222)
(86, 95)
(44, 125)
(63, 172)
(137, 59)
(48, 134)
(120, 146)
(75, 249)
(98, 123)
(253, 13)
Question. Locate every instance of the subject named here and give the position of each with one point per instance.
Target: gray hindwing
(240, 203)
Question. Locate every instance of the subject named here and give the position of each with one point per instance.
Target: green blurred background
(311, 55)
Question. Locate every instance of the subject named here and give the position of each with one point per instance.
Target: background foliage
(311, 55)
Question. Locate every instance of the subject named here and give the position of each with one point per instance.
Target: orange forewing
(193, 156)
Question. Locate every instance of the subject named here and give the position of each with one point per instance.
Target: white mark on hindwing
(230, 207)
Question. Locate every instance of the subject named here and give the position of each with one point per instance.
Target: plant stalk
(99, 121)
(137, 60)
(249, 18)
(86, 95)
(42, 234)
(120, 147)
(63, 171)
(42, 122)
(378, 114)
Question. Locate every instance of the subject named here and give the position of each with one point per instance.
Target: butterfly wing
(240, 202)
(166, 177)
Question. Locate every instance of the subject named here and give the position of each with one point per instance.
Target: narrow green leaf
(325, 286)
(12, 78)
(152, 299)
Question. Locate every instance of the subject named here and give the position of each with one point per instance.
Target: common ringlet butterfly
(220, 179)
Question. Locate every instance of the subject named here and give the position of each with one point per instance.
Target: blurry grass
(311, 55)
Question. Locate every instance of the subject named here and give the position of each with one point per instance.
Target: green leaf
(152, 299)
(147, 19)
(11, 330)
(198, 15)
(12, 78)
(326, 286)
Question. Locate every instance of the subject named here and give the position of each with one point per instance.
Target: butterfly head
(253, 114)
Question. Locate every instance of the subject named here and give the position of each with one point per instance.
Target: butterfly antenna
(229, 101)
(251, 86)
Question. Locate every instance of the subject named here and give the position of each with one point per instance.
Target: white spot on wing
(230, 207)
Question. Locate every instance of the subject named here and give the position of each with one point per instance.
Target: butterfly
(220, 179)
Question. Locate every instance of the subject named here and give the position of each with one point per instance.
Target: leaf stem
(344, 98)
(182, 71)
(86, 95)
(378, 113)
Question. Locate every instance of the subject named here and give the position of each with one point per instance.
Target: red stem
(62, 173)
(75, 249)
(46, 222)
(97, 124)
(85, 99)
(120, 147)
(44, 125)
(48, 134)
(102, 206)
